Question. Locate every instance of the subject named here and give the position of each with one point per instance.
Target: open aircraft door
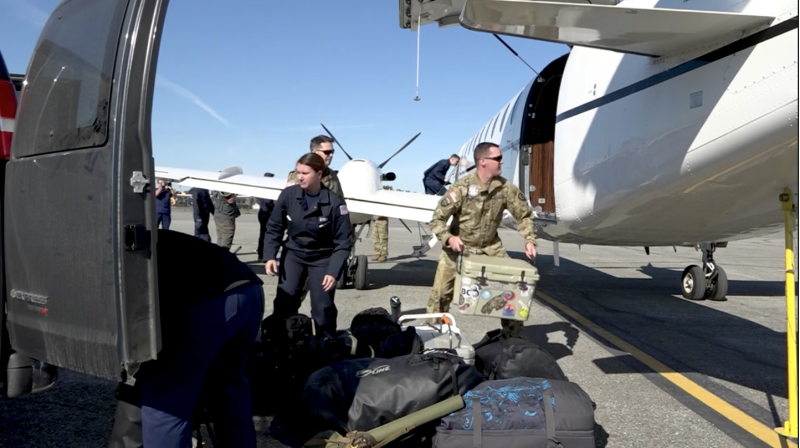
(79, 231)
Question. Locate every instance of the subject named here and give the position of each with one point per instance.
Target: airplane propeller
(337, 141)
(398, 151)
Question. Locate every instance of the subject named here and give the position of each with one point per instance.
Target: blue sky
(248, 83)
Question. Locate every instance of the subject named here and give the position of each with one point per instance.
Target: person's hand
(530, 250)
(231, 199)
(328, 282)
(272, 267)
(455, 243)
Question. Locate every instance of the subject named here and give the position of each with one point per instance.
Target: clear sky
(247, 82)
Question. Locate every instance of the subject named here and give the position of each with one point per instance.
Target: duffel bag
(362, 394)
(498, 356)
(521, 413)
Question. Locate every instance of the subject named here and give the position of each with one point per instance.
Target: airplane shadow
(689, 337)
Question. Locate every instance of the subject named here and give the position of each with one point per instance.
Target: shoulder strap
(477, 424)
(550, 419)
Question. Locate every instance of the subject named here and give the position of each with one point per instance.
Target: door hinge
(139, 181)
(137, 237)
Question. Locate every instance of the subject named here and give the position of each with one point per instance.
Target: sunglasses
(496, 158)
(326, 152)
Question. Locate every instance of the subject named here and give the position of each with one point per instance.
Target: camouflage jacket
(329, 179)
(223, 208)
(477, 211)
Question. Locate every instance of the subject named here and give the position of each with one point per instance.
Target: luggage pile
(385, 382)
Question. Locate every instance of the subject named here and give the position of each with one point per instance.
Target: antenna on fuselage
(337, 141)
(540, 79)
(419, 26)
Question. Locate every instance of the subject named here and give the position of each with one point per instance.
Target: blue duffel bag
(521, 413)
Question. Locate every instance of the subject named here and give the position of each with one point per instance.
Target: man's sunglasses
(326, 151)
(496, 158)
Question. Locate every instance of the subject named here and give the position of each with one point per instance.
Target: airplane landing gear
(707, 282)
(355, 268)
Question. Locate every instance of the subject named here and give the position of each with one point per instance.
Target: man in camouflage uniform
(322, 145)
(476, 203)
(225, 214)
(380, 238)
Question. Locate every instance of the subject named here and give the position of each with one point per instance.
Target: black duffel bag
(498, 356)
(362, 394)
(374, 327)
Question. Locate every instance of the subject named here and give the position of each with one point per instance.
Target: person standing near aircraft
(225, 218)
(203, 208)
(265, 207)
(322, 145)
(380, 238)
(434, 177)
(164, 195)
(319, 243)
(476, 203)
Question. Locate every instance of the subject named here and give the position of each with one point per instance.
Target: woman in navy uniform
(319, 243)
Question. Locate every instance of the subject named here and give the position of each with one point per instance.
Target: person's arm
(341, 239)
(449, 205)
(441, 170)
(521, 211)
(276, 226)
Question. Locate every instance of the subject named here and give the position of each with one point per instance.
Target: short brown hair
(314, 161)
(317, 141)
(482, 150)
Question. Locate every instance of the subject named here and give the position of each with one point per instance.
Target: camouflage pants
(380, 236)
(226, 226)
(445, 279)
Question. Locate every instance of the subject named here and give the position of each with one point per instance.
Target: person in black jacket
(203, 208)
(208, 327)
(265, 207)
(319, 243)
(433, 178)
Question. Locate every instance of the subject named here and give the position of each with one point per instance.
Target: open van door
(80, 236)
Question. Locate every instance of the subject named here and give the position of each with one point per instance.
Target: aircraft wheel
(693, 283)
(361, 272)
(718, 287)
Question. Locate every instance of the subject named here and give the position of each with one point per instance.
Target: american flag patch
(453, 196)
(343, 210)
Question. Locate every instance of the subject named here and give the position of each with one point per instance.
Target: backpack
(498, 356)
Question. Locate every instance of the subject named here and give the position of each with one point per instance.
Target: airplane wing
(395, 204)
(230, 180)
(644, 31)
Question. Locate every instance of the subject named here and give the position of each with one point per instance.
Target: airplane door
(79, 231)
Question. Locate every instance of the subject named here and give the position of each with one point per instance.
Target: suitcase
(495, 287)
(443, 336)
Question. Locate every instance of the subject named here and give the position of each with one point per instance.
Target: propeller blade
(337, 141)
(398, 151)
(406, 226)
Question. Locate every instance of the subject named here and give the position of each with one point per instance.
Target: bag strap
(477, 424)
(550, 419)
(493, 371)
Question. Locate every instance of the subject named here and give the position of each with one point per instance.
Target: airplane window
(77, 73)
(494, 125)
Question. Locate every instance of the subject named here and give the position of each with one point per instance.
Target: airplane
(361, 183)
(667, 123)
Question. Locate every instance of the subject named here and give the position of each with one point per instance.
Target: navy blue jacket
(436, 172)
(265, 207)
(202, 203)
(323, 231)
(163, 204)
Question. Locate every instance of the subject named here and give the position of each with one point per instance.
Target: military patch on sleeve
(521, 197)
(445, 201)
(343, 210)
(453, 196)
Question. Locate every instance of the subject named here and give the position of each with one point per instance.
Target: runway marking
(735, 415)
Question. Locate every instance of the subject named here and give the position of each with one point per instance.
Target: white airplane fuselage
(645, 151)
(363, 176)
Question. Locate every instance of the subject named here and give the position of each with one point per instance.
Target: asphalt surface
(735, 350)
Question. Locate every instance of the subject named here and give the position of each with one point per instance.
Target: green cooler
(496, 287)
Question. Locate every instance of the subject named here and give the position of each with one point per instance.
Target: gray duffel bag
(521, 413)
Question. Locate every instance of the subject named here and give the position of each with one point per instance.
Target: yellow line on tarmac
(746, 422)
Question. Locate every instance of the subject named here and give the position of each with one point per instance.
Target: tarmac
(664, 371)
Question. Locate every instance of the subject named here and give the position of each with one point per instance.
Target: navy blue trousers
(292, 275)
(201, 228)
(220, 334)
(432, 186)
(163, 219)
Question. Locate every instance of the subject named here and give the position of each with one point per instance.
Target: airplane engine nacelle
(360, 177)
